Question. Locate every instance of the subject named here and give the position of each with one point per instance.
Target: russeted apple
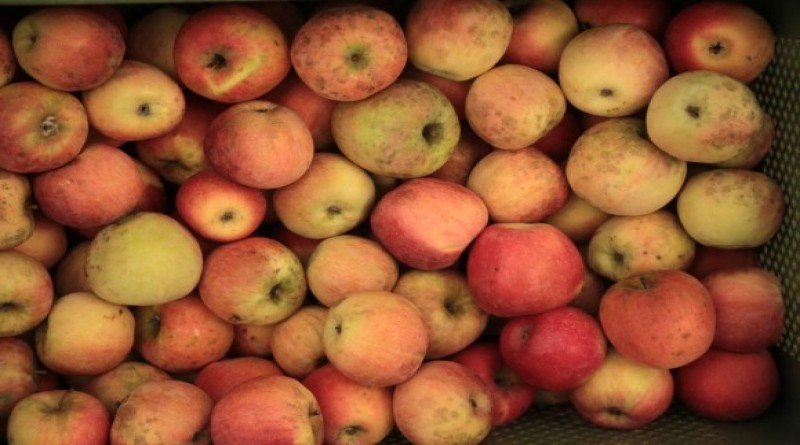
(26, 293)
(542, 28)
(16, 211)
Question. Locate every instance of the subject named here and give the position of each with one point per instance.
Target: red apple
(558, 142)
(8, 61)
(59, 417)
(220, 377)
(313, 109)
(652, 16)
(711, 259)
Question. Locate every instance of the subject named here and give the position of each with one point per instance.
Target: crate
(778, 89)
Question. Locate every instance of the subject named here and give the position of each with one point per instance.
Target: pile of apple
(264, 222)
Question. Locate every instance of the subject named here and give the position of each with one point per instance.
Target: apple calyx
(227, 216)
(217, 62)
(143, 110)
(350, 431)
(606, 92)
(49, 126)
(358, 58)
(693, 111)
(717, 48)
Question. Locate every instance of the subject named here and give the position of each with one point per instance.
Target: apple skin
(455, 90)
(539, 185)
(469, 150)
(612, 70)
(230, 53)
(652, 16)
(664, 318)
(511, 106)
(623, 394)
(43, 128)
(139, 101)
(219, 209)
(731, 208)
(115, 385)
(541, 31)
(511, 397)
(17, 374)
(726, 37)
(145, 259)
(333, 196)
(711, 259)
(47, 244)
(252, 340)
(444, 402)
(259, 144)
(578, 219)
(296, 342)
(313, 109)
(84, 335)
(370, 134)
(336, 268)
(750, 308)
(237, 275)
(631, 176)
(351, 413)
(457, 40)
(151, 37)
(277, 407)
(16, 207)
(729, 386)
(8, 61)
(630, 245)
(376, 338)
(443, 297)
(349, 52)
(427, 223)
(69, 275)
(68, 48)
(591, 293)
(171, 411)
(26, 293)
(556, 350)
(220, 377)
(181, 335)
(59, 416)
(558, 141)
(516, 269)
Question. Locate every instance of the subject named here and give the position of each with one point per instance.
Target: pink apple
(277, 407)
(427, 223)
(728, 37)
(556, 350)
(59, 416)
(230, 53)
(115, 385)
(729, 386)
(664, 318)
(351, 413)
(220, 377)
(523, 269)
(313, 109)
(511, 397)
(26, 293)
(652, 16)
(542, 28)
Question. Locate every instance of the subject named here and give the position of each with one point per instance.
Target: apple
(336, 268)
(296, 342)
(705, 117)
(145, 259)
(220, 377)
(711, 259)
(230, 53)
(349, 52)
(663, 318)
(728, 386)
(26, 293)
(455, 90)
(376, 338)
(519, 186)
(578, 219)
(652, 16)
(180, 153)
(631, 176)
(542, 28)
(313, 109)
(511, 397)
(731, 208)
(259, 144)
(69, 275)
(8, 60)
(115, 385)
(516, 269)
(591, 293)
(138, 102)
(302, 246)
(457, 40)
(427, 223)
(287, 15)
(255, 280)
(612, 70)
(48, 242)
(169, 411)
(59, 416)
(750, 308)
(469, 150)
(370, 134)
(332, 197)
(181, 335)
(555, 350)
(219, 209)
(630, 245)
(623, 394)
(43, 128)
(558, 142)
(17, 374)
(151, 37)
(351, 413)
(444, 402)
(68, 48)
(276, 407)
(511, 106)
(17, 220)
(252, 340)
(727, 37)
(84, 335)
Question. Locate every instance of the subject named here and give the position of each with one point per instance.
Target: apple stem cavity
(49, 126)
(217, 62)
(606, 92)
(432, 133)
(227, 216)
(143, 110)
(614, 411)
(716, 48)
(693, 111)
(351, 430)
(333, 210)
